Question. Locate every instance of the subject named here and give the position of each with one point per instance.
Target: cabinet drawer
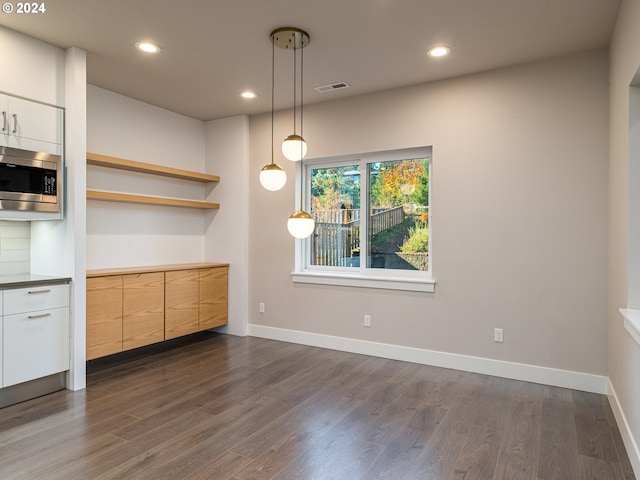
(35, 345)
(35, 298)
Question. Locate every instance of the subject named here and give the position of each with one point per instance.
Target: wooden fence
(384, 219)
(337, 233)
(342, 216)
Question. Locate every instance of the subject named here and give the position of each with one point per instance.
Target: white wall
(623, 352)
(519, 199)
(126, 235)
(15, 247)
(227, 231)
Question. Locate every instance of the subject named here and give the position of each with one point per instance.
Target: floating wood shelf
(133, 166)
(148, 200)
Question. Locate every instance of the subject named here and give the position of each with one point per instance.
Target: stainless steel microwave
(30, 181)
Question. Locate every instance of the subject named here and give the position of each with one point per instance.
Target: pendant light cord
(273, 88)
(301, 107)
(295, 71)
(301, 88)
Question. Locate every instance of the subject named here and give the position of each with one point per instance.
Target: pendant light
(294, 147)
(300, 223)
(272, 176)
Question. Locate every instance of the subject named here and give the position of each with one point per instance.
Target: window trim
(364, 281)
(363, 276)
(632, 322)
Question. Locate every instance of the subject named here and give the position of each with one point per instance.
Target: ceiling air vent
(333, 86)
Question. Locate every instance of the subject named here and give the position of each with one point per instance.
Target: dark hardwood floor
(222, 407)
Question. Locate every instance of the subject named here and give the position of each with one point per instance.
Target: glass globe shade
(273, 177)
(301, 224)
(294, 148)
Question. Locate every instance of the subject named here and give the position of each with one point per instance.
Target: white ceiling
(214, 49)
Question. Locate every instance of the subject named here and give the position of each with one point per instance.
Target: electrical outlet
(261, 307)
(367, 320)
(498, 335)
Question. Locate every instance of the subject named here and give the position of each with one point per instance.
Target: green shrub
(418, 240)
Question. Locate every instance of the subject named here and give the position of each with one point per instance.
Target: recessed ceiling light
(148, 47)
(248, 94)
(440, 51)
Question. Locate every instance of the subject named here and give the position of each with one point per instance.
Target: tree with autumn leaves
(392, 184)
(335, 188)
(396, 183)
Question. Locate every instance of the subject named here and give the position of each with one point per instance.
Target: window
(372, 216)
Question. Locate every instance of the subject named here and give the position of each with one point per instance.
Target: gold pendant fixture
(294, 147)
(273, 177)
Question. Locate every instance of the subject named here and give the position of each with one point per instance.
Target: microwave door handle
(15, 122)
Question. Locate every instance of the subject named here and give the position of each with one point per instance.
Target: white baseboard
(625, 431)
(517, 371)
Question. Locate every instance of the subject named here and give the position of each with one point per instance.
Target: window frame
(362, 276)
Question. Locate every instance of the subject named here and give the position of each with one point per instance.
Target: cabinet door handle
(41, 315)
(4, 121)
(33, 292)
(15, 122)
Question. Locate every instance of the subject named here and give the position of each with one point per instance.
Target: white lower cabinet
(36, 344)
(35, 333)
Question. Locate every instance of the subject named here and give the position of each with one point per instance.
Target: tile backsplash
(15, 247)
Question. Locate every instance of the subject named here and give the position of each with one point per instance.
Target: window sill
(632, 322)
(352, 280)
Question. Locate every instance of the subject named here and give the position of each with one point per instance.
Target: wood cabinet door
(104, 316)
(143, 309)
(181, 303)
(213, 309)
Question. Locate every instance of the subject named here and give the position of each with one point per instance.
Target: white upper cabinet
(30, 125)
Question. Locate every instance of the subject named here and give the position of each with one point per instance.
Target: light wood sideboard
(133, 307)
